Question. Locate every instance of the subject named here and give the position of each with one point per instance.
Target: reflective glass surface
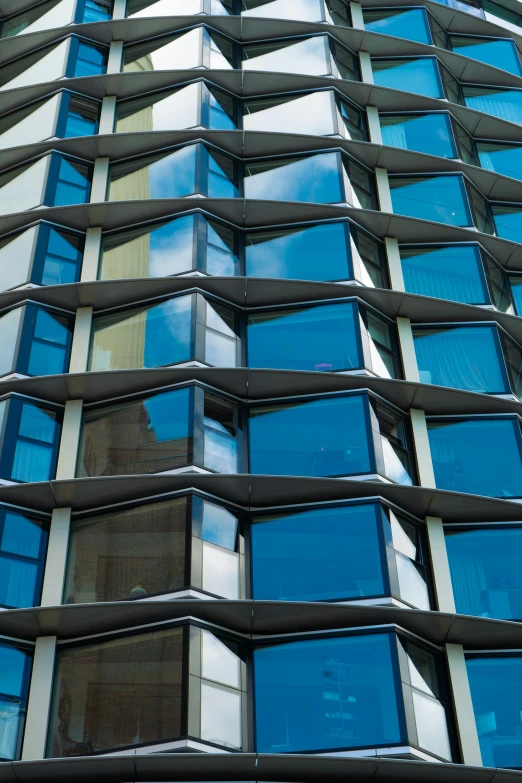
(15, 673)
(81, 117)
(323, 694)
(481, 455)
(23, 541)
(496, 683)
(72, 183)
(442, 199)
(506, 104)
(452, 272)
(89, 61)
(316, 178)
(502, 158)
(411, 23)
(420, 76)
(497, 52)
(485, 570)
(59, 256)
(322, 437)
(508, 222)
(429, 133)
(465, 357)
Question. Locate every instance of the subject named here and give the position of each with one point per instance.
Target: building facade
(260, 389)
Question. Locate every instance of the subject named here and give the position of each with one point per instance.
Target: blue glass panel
(323, 437)
(322, 338)
(504, 160)
(419, 76)
(174, 175)
(49, 352)
(516, 289)
(219, 183)
(90, 61)
(496, 684)
(168, 415)
(411, 24)
(326, 693)
(314, 179)
(221, 260)
(12, 699)
(453, 272)
(77, 125)
(32, 462)
(508, 223)
(429, 133)
(318, 555)
(506, 104)
(433, 198)
(21, 535)
(316, 253)
(485, 571)
(37, 423)
(12, 667)
(95, 12)
(168, 332)
(73, 184)
(499, 53)
(218, 526)
(62, 259)
(466, 357)
(480, 456)
(219, 119)
(17, 583)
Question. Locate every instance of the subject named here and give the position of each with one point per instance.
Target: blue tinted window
(315, 253)
(432, 198)
(485, 571)
(220, 181)
(219, 118)
(323, 437)
(322, 338)
(95, 12)
(73, 183)
(429, 133)
(20, 566)
(318, 555)
(508, 222)
(34, 448)
(506, 104)
(454, 272)
(21, 535)
(419, 76)
(501, 158)
(49, 350)
(316, 178)
(62, 258)
(480, 456)
(14, 671)
(516, 289)
(79, 125)
(466, 357)
(174, 175)
(322, 694)
(496, 684)
(411, 24)
(499, 53)
(90, 61)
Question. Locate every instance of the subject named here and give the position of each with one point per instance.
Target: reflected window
(56, 13)
(179, 246)
(34, 341)
(16, 665)
(409, 23)
(505, 104)
(428, 133)
(31, 433)
(505, 159)
(45, 256)
(187, 171)
(508, 221)
(319, 55)
(485, 570)
(319, 11)
(23, 543)
(421, 76)
(499, 52)
(481, 456)
(197, 48)
(215, 566)
(515, 282)
(495, 683)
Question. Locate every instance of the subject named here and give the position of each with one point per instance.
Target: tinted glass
(429, 133)
(323, 694)
(453, 272)
(48, 353)
(318, 555)
(323, 437)
(496, 684)
(15, 668)
(323, 338)
(316, 178)
(506, 104)
(419, 76)
(411, 24)
(480, 456)
(466, 357)
(73, 183)
(170, 176)
(508, 222)
(61, 256)
(22, 547)
(501, 158)
(499, 53)
(485, 571)
(89, 61)
(35, 445)
(442, 199)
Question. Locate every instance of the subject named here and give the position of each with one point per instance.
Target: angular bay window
(347, 435)
(162, 433)
(324, 178)
(197, 48)
(161, 548)
(180, 330)
(362, 552)
(505, 159)
(52, 180)
(424, 76)
(16, 663)
(183, 245)
(46, 255)
(409, 23)
(365, 691)
(460, 273)
(479, 358)
(508, 221)
(434, 134)
(495, 682)
(71, 57)
(35, 341)
(481, 455)
(55, 13)
(196, 105)
(499, 52)
(187, 171)
(485, 569)
(30, 434)
(447, 198)
(319, 55)
(321, 113)
(323, 338)
(505, 104)
(153, 8)
(334, 12)
(328, 251)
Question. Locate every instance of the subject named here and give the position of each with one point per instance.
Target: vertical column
(99, 180)
(463, 704)
(394, 263)
(440, 565)
(365, 65)
(68, 454)
(374, 124)
(422, 448)
(383, 190)
(55, 565)
(107, 114)
(81, 340)
(357, 16)
(40, 693)
(409, 359)
(115, 57)
(119, 9)
(91, 254)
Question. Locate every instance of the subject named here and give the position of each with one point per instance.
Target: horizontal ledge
(206, 767)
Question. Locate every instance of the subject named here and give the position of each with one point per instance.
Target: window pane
(220, 715)
(62, 257)
(9, 329)
(309, 56)
(220, 571)
(125, 692)
(495, 685)
(129, 553)
(13, 698)
(49, 351)
(17, 583)
(324, 694)
(218, 526)
(441, 198)
(323, 437)
(420, 76)
(312, 179)
(429, 133)
(21, 535)
(501, 158)
(411, 23)
(318, 555)
(481, 456)
(322, 338)
(169, 176)
(452, 272)
(508, 222)
(90, 61)
(218, 662)
(506, 104)
(496, 52)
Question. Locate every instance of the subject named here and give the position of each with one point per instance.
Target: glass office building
(260, 390)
